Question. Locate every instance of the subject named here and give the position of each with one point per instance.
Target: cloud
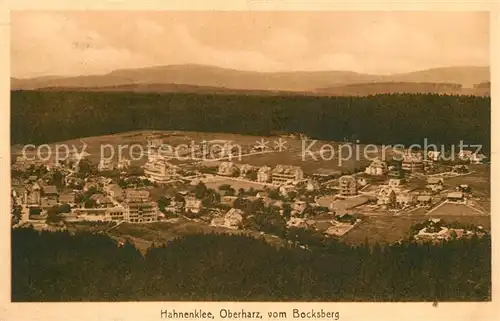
(52, 44)
(61, 43)
(196, 52)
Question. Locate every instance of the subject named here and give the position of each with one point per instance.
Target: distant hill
(340, 90)
(196, 78)
(173, 88)
(391, 87)
(486, 85)
(465, 76)
(200, 75)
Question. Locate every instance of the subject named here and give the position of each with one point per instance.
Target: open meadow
(390, 229)
(308, 155)
(144, 235)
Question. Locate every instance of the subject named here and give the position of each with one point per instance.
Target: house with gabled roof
(264, 174)
(386, 196)
(435, 184)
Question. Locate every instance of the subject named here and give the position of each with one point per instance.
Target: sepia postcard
(228, 164)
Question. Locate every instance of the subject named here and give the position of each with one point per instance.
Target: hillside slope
(216, 77)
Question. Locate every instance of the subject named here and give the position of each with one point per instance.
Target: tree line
(59, 266)
(40, 117)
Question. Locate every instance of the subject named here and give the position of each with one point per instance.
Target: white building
(434, 155)
(362, 182)
(117, 214)
(286, 189)
(141, 212)
(264, 174)
(282, 174)
(233, 218)
(227, 169)
(312, 185)
(193, 204)
(412, 162)
(477, 158)
(435, 184)
(386, 196)
(465, 155)
(159, 170)
(395, 183)
(348, 186)
(245, 169)
(406, 199)
(378, 168)
(468, 155)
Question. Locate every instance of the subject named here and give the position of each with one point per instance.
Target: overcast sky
(83, 43)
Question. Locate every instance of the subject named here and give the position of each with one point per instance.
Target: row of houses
(234, 217)
(159, 170)
(111, 202)
(389, 197)
(393, 194)
(415, 162)
(281, 174)
(132, 212)
(36, 194)
(434, 230)
(433, 155)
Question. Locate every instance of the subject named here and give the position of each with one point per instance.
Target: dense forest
(89, 267)
(42, 117)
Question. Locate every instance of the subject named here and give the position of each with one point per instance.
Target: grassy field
(480, 183)
(291, 155)
(144, 235)
(389, 229)
(345, 158)
(450, 209)
(236, 184)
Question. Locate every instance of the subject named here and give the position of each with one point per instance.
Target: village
(236, 195)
